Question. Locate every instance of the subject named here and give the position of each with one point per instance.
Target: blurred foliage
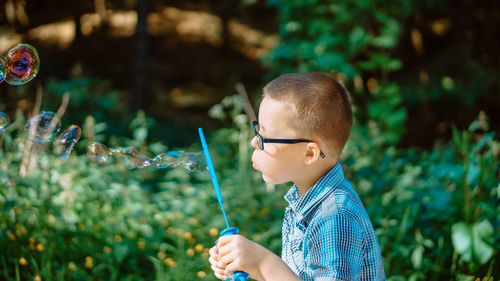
(72, 220)
(407, 63)
(353, 41)
(436, 213)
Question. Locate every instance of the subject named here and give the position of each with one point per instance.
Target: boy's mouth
(255, 166)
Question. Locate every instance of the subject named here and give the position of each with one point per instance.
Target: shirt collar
(323, 187)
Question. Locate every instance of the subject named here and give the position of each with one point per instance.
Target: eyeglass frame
(261, 140)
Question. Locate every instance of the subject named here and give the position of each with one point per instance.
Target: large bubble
(41, 129)
(64, 143)
(196, 162)
(4, 121)
(21, 64)
(169, 159)
(98, 153)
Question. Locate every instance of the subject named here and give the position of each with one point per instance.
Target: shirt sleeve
(336, 249)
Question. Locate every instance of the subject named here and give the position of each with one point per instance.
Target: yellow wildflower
(201, 274)
(72, 266)
(264, 211)
(170, 262)
(106, 249)
(213, 231)
(118, 238)
(141, 244)
(39, 247)
(198, 247)
(188, 235)
(22, 261)
(89, 262)
(51, 219)
(10, 235)
(38, 278)
(161, 255)
(190, 252)
(193, 221)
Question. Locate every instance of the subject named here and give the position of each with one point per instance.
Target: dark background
(175, 73)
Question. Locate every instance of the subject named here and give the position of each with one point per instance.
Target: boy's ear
(313, 153)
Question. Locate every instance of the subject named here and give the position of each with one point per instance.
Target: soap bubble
(38, 128)
(22, 63)
(143, 162)
(3, 70)
(196, 162)
(130, 157)
(169, 159)
(98, 153)
(4, 121)
(64, 143)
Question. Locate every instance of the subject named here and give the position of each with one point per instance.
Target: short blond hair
(320, 106)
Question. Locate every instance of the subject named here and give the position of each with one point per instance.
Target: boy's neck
(312, 174)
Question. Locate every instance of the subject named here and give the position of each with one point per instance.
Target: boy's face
(278, 163)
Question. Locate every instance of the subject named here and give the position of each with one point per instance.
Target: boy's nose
(253, 142)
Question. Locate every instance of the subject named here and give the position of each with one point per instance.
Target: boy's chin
(269, 180)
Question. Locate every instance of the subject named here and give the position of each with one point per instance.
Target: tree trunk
(140, 56)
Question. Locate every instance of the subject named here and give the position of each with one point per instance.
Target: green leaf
(482, 241)
(416, 256)
(384, 41)
(463, 277)
(473, 242)
(140, 134)
(462, 240)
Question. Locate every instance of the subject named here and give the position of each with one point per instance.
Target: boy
(304, 122)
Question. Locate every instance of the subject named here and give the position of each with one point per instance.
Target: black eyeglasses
(261, 140)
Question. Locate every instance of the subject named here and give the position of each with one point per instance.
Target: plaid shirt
(327, 234)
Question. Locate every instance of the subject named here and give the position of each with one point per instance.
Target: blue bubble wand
(237, 275)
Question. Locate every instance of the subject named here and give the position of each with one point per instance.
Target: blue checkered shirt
(327, 234)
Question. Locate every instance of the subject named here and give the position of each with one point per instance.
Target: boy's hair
(320, 106)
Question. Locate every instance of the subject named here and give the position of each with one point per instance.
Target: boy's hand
(214, 260)
(236, 252)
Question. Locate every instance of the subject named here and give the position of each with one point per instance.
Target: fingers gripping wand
(237, 275)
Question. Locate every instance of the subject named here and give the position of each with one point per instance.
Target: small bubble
(4, 121)
(3, 70)
(38, 128)
(64, 143)
(98, 153)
